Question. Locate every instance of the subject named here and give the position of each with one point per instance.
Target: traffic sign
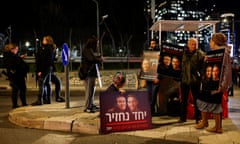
(65, 56)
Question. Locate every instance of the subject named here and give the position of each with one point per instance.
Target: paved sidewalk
(56, 116)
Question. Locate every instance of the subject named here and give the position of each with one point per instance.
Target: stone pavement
(56, 116)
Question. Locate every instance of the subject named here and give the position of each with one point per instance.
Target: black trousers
(185, 90)
(18, 88)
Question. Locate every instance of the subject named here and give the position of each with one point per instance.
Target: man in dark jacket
(17, 71)
(192, 71)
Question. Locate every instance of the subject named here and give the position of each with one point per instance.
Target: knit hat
(219, 39)
(119, 78)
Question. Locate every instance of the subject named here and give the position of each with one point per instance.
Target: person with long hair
(89, 61)
(44, 68)
(210, 100)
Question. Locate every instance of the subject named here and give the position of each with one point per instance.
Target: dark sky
(62, 19)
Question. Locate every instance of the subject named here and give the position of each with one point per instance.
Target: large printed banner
(213, 69)
(124, 112)
(149, 65)
(170, 60)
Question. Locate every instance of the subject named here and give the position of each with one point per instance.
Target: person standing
(17, 70)
(44, 68)
(211, 96)
(56, 81)
(89, 61)
(153, 85)
(192, 71)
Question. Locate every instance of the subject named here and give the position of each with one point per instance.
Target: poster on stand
(124, 112)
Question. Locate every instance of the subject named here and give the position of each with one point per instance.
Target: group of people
(192, 82)
(17, 69)
(192, 71)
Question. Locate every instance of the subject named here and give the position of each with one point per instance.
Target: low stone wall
(74, 81)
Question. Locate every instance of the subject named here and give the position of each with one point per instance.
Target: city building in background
(227, 27)
(191, 10)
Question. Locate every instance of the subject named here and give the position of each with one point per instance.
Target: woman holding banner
(210, 100)
(90, 59)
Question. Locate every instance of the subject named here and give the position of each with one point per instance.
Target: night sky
(37, 18)
(77, 19)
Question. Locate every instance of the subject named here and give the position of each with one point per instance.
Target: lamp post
(10, 33)
(98, 31)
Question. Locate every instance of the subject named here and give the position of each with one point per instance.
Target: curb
(56, 117)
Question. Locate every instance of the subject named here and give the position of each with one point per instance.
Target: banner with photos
(149, 65)
(124, 112)
(170, 60)
(213, 68)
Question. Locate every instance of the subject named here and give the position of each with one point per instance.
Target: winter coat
(192, 67)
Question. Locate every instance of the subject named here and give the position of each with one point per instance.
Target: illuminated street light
(27, 43)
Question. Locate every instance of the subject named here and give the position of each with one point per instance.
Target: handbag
(82, 74)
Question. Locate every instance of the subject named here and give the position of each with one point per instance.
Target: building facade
(191, 10)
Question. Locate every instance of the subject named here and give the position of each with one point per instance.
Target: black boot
(39, 101)
(49, 100)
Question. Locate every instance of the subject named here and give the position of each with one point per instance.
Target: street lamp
(103, 18)
(110, 34)
(98, 31)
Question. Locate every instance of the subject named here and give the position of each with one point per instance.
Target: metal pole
(67, 91)
(111, 36)
(101, 46)
(10, 33)
(98, 31)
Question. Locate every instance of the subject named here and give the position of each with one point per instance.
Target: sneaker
(60, 99)
(95, 107)
(89, 111)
